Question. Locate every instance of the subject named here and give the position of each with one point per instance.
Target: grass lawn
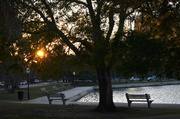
(34, 92)
(37, 111)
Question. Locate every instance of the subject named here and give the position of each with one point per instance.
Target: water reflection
(160, 94)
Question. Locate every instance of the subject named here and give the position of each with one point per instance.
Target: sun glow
(40, 53)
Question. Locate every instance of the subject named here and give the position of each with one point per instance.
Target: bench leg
(64, 102)
(129, 103)
(50, 101)
(149, 104)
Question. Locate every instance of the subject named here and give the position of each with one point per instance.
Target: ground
(28, 111)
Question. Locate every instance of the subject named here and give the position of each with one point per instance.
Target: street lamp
(74, 78)
(28, 72)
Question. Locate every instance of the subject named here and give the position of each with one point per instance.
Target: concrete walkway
(71, 94)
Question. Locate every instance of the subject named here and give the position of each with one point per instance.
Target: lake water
(169, 94)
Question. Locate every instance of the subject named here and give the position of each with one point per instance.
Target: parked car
(1, 83)
(36, 81)
(50, 80)
(23, 82)
(151, 78)
(134, 79)
(83, 81)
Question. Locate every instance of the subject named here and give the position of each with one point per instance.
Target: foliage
(141, 55)
(11, 65)
(161, 19)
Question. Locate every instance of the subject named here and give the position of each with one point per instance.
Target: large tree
(92, 29)
(9, 22)
(10, 61)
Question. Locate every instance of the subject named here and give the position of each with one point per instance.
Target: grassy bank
(32, 111)
(34, 92)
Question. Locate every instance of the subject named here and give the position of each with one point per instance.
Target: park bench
(43, 91)
(60, 96)
(138, 98)
(64, 86)
(55, 89)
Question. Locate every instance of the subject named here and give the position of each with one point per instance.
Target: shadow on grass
(37, 111)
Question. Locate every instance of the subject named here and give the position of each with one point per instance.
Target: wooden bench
(55, 89)
(43, 91)
(60, 96)
(138, 98)
(62, 87)
(65, 86)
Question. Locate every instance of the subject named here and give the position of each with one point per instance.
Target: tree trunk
(105, 89)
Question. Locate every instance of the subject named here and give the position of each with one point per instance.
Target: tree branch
(35, 9)
(111, 25)
(80, 2)
(91, 11)
(36, 32)
(53, 26)
(49, 10)
(122, 17)
(33, 22)
(66, 40)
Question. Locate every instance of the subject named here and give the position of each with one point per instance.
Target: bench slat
(140, 100)
(137, 96)
(55, 95)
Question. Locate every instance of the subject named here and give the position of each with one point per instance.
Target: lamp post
(74, 78)
(28, 71)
